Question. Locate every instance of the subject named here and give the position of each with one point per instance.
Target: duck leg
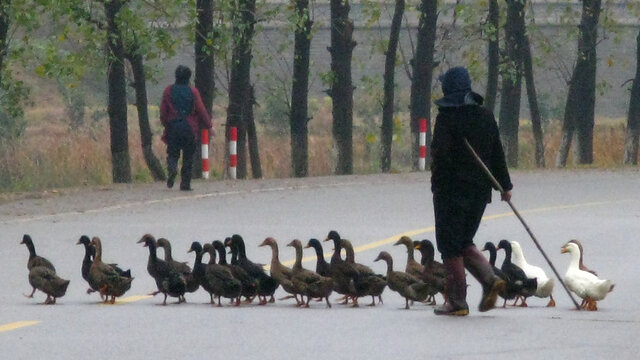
(406, 301)
(373, 301)
(263, 300)
(272, 300)
(30, 296)
(219, 303)
(154, 293)
(165, 299)
(48, 301)
(328, 303)
(355, 301)
(380, 299)
(552, 303)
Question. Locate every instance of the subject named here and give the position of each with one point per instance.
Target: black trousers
(457, 220)
(180, 138)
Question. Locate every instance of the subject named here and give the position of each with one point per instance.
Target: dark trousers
(457, 220)
(180, 138)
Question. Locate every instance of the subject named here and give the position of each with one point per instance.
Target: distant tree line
(82, 35)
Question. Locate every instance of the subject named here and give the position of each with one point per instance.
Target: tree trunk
(146, 138)
(580, 106)
(243, 24)
(204, 70)
(4, 29)
(341, 92)
(117, 93)
(252, 135)
(633, 116)
(386, 130)
(422, 75)
(512, 81)
(536, 121)
(493, 53)
(299, 115)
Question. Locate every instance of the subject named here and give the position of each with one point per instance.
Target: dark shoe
(185, 187)
(171, 179)
(455, 289)
(482, 270)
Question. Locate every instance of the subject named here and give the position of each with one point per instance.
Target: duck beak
(190, 250)
(563, 250)
(397, 243)
(378, 258)
(326, 239)
(78, 242)
(417, 247)
(264, 243)
(307, 246)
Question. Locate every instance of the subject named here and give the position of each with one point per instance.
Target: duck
(169, 282)
(323, 268)
(217, 279)
(581, 264)
(281, 273)
(42, 275)
(89, 254)
(47, 281)
(179, 266)
(367, 282)
(104, 278)
(433, 272)
(342, 273)
(408, 286)
(308, 282)
(413, 267)
(518, 285)
(35, 260)
(267, 285)
(545, 283)
(583, 283)
(249, 284)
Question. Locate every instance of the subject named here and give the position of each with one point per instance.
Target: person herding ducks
(182, 114)
(461, 190)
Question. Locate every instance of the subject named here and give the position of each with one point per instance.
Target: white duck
(584, 283)
(545, 283)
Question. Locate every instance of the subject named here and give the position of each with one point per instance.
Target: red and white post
(233, 151)
(423, 144)
(204, 141)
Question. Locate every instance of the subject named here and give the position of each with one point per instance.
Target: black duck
(267, 285)
(323, 268)
(367, 282)
(89, 254)
(518, 285)
(168, 281)
(218, 278)
(179, 266)
(249, 284)
(42, 275)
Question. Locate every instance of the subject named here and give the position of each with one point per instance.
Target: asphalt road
(600, 208)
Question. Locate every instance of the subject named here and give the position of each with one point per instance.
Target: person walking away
(182, 113)
(461, 190)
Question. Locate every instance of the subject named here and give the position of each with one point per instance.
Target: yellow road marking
(129, 299)
(17, 325)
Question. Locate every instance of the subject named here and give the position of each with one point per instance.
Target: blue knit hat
(456, 85)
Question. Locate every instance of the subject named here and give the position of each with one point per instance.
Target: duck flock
(242, 278)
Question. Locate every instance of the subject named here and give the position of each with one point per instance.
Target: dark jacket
(454, 171)
(197, 117)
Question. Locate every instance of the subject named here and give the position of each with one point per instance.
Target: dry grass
(51, 156)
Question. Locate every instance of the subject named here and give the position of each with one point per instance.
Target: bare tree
(299, 115)
(389, 86)
(117, 94)
(204, 70)
(512, 81)
(580, 106)
(341, 91)
(633, 116)
(493, 54)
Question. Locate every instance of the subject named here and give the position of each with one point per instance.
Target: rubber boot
(482, 270)
(455, 288)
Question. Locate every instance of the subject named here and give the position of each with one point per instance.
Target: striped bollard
(233, 151)
(204, 141)
(423, 144)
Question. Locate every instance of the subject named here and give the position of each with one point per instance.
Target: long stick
(535, 241)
